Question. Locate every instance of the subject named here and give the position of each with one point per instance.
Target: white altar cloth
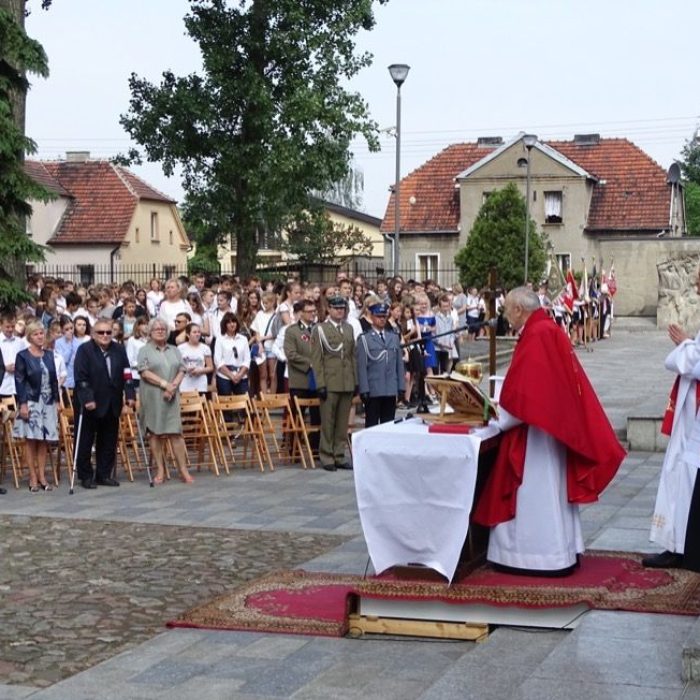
(415, 491)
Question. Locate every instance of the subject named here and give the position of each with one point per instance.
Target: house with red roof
(104, 217)
(595, 198)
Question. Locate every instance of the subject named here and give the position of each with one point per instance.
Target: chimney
(489, 141)
(587, 139)
(77, 156)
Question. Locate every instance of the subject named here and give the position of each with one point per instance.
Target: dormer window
(522, 162)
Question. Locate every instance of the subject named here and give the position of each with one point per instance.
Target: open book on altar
(469, 404)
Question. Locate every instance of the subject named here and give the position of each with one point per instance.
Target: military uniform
(333, 362)
(380, 374)
(297, 348)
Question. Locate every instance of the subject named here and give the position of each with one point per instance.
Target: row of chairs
(220, 433)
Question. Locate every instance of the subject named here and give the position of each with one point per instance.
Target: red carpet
(301, 602)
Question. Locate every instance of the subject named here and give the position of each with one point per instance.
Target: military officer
(380, 373)
(333, 363)
(297, 348)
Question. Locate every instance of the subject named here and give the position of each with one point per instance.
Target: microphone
(490, 323)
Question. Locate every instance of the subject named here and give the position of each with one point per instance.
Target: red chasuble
(546, 387)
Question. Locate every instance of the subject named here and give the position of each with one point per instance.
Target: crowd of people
(230, 336)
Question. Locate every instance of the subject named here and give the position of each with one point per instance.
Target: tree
(268, 121)
(497, 239)
(690, 168)
(19, 55)
(313, 237)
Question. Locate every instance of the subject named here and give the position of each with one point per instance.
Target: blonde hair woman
(36, 383)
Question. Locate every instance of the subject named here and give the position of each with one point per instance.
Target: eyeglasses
(103, 332)
(235, 352)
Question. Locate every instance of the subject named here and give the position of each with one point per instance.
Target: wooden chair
(279, 426)
(196, 431)
(12, 448)
(237, 421)
(305, 428)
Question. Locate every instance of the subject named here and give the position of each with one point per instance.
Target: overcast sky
(624, 68)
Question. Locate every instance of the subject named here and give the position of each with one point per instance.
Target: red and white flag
(570, 291)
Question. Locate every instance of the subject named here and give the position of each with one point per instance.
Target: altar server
(558, 450)
(675, 524)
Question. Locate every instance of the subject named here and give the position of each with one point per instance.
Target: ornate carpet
(301, 602)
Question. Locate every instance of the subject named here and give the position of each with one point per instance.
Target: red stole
(547, 388)
(669, 414)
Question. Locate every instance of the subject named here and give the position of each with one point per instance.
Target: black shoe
(329, 467)
(344, 465)
(665, 560)
(88, 484)
(107, 482)
(2, 491)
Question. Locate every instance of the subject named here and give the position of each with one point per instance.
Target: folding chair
(236, 420)
(279, 426)
(305, 428)
(196, 431)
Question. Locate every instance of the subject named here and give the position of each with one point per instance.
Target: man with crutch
(102, 378)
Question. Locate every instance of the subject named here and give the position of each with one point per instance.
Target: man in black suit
(102, 377)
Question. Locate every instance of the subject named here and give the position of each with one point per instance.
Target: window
(552, 207)
(170, 237)
(485, 196)
(137, 235)
(86, 273)
(427, 266)
(154, 226)
(564, 262)
(168, 271)
(28, 226)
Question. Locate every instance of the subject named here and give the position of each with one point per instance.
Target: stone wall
(678, 299)
(643, 289)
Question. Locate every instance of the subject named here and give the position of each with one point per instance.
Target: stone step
(690, 658)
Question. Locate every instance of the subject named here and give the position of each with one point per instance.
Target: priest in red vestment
(558, 449)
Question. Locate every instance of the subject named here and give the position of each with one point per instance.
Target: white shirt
(194, 356)
(261, 325)
(9, 348)
(170, 309)
(133, 345)
(224, 354)
(153, 300)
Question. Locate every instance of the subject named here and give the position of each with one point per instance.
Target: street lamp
(398, 72)
(529, 140)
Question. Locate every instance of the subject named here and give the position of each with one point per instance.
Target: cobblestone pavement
(75, 593)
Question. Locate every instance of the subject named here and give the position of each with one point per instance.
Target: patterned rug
(301, 602)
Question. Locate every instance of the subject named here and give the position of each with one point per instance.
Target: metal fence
(141, 274)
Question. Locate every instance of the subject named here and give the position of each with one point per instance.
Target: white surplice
(677, 480)
(546, 531)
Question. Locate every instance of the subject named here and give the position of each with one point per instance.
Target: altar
(415, 491)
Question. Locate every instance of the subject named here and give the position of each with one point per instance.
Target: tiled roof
(635, 195)
(631, 193)
(436, 205)
(38, 172)
(103, 197)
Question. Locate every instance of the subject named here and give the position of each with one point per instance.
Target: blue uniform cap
(379, 309)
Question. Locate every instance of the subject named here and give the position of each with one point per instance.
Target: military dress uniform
(380, 374)
(297, 349)
(333, 362)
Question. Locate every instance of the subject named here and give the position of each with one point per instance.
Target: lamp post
(398, 72)
(529, 140)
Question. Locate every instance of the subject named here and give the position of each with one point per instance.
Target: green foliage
(497, 239)
(268, 121)
(20, 55)
(314, 238)
(690, 163)
(692, 208)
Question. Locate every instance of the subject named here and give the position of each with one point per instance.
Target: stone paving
(75, 593)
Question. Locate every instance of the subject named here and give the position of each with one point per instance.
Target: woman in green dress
(161, 370)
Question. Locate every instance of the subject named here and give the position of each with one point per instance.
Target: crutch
(76, 443)
(143, 447)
